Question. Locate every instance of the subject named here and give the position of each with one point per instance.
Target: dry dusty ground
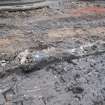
(78, 80)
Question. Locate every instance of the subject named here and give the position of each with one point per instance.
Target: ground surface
(80, 82)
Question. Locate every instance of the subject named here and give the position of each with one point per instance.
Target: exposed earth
(53, 56)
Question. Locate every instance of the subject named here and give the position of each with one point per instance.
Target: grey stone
(2, 99)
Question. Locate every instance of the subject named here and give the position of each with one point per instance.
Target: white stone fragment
(23, 56)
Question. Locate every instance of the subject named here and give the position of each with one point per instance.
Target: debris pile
(53, 55)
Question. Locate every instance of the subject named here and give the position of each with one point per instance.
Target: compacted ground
(78, 80)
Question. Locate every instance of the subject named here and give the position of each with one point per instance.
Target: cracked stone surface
(53, 57)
